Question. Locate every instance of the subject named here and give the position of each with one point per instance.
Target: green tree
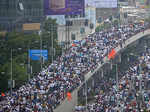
(19, 44)
(4, 76)
(50, 36)
(102, 27)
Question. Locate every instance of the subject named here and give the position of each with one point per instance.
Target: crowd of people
(48, 88)
(133, 93)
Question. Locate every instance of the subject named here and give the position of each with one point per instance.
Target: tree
(19, 44)
(103, 26)
(50, 36)
(4, 76)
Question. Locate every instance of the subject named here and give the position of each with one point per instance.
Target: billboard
(104, 3)
(3, 33)
(31, 26)
(63, 7)
(37, 54)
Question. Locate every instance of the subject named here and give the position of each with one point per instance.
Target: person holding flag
(112, 54)
(69, 97)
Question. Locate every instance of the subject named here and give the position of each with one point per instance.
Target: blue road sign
(38, 54)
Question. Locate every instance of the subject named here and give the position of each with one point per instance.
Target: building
(80, 27)
(104, 8)
(131, 14)
(90, 14)
(73, 29)
(105, 13)
(13, 13)
(132, 2)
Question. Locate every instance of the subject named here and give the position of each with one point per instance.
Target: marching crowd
(47, 89)
(133, 94)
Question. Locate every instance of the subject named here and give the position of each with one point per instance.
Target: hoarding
(31, 26)
(38, 54)
(104, 3)
(3, 33)
(63, 7)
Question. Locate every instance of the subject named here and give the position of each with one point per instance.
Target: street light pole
(102, 73)
(86, 95)
(140, 85)
(117, 80)
(52, 42)
(41, 48)
(29, 65)
(11, 73)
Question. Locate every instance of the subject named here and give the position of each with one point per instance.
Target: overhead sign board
(38, 54)
(31, 26)
(63, 7)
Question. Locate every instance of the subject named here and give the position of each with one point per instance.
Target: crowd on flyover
(48, 88)
(133, 94)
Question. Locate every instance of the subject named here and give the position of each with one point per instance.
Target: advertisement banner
(3, 33)
(63, 7)
(31, 26)
(38, 54)
(104, 3)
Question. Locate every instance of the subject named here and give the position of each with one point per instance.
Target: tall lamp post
(86, 98)
(52, 50)
(117, 79)
(11, 82)
(11, 72)
(140, 79)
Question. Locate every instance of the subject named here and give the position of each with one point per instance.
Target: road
(67, 106)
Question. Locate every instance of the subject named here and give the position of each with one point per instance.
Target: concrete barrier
(68, 106)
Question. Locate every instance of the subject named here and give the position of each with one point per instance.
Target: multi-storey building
(12, 16)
